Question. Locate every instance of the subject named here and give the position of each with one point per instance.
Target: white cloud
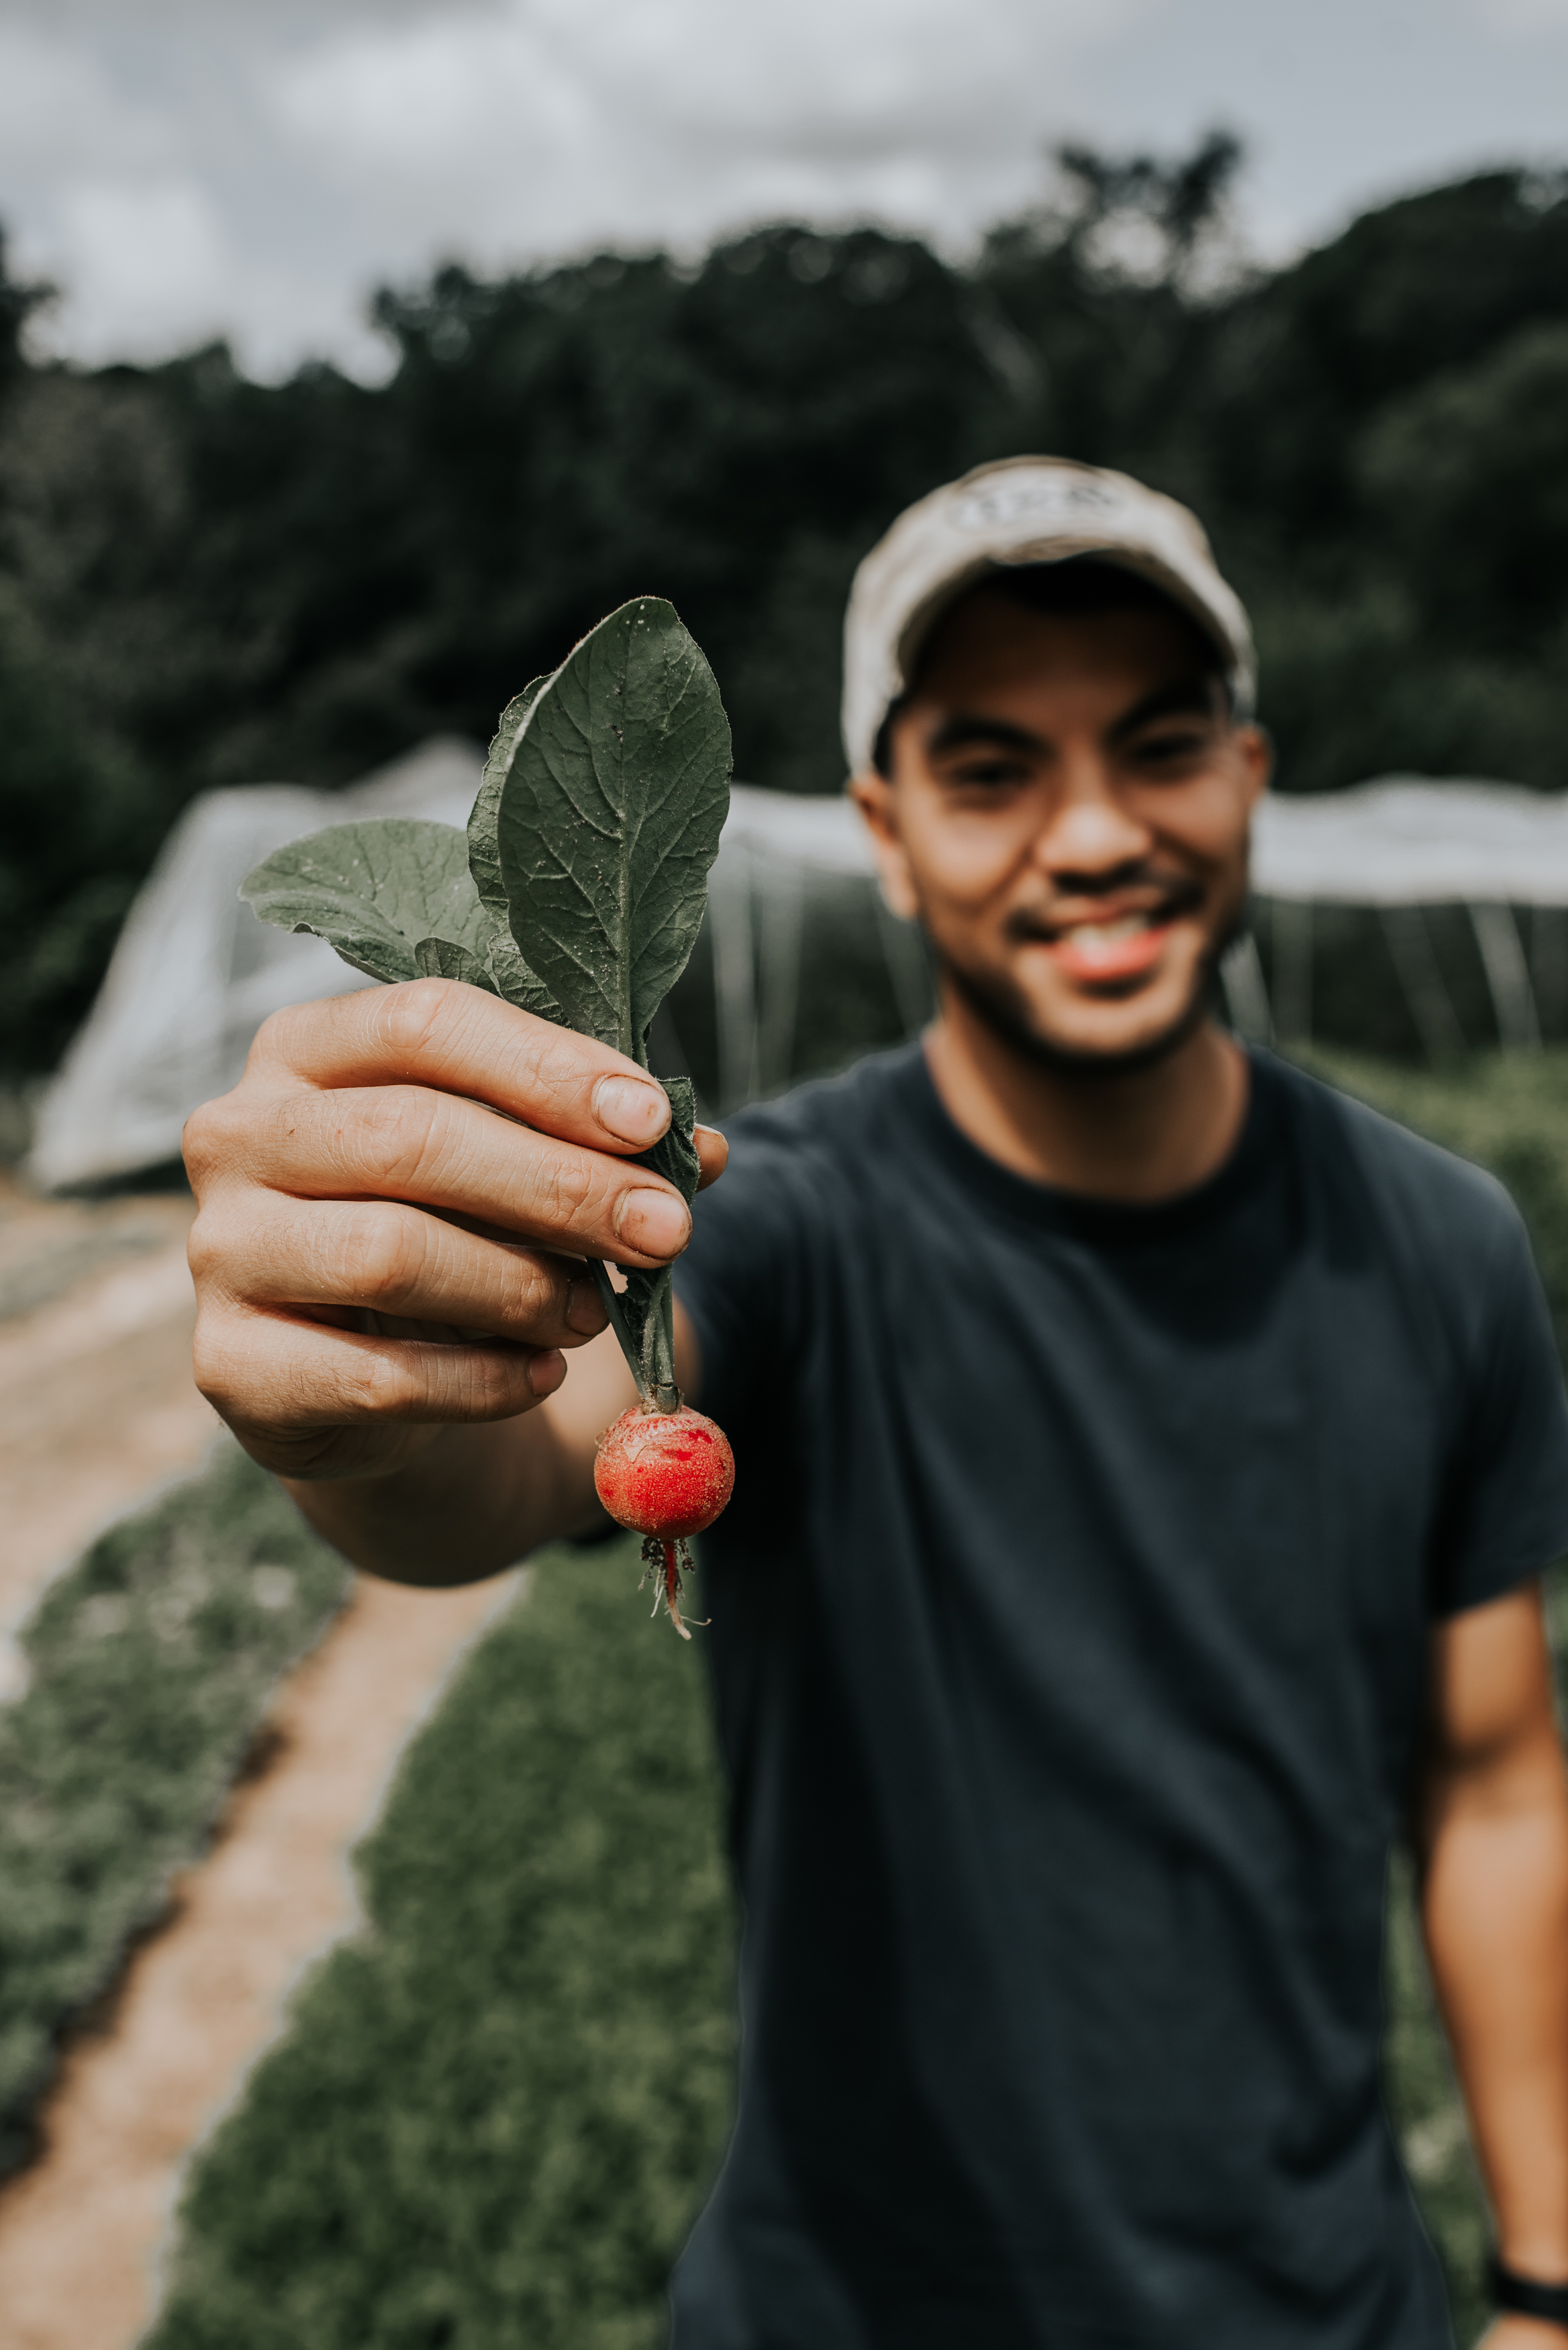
(146, 263)
(544, 127)
(186, 166)
(1526, 16)
(57, 102)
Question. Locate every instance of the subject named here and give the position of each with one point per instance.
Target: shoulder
(805, 1166)
(796, 1168)
(1450, 1222)
(826, 1130)
(800, 1173)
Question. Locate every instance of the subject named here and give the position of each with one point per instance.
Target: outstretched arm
(390, 1274)
(1492, 1844)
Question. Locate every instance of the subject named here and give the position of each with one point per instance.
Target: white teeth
(1104, 934)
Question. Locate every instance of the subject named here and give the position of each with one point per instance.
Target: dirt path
(80, 2234)
(97, 1410)
(97, 1407)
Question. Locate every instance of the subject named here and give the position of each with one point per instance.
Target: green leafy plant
(150, 1661)
(493, 2115)
(576, 894)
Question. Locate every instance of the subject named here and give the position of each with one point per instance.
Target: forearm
(1495, 1910)
(470, 1502)
(470, 1498)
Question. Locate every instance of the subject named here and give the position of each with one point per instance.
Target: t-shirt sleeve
(1505, 1514)
(740, 1277)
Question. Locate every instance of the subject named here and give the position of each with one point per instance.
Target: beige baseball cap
(1022, 510)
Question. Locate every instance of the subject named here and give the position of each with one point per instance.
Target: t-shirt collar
(1046, 1206)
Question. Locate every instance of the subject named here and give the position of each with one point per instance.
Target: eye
(1171, 748)
(989, 771)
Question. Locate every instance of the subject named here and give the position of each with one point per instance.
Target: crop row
(496, 2109)
(150, 1664)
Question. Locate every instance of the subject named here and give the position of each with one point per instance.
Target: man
(1145, 1463)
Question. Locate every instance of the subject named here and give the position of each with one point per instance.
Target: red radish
(666, 1474)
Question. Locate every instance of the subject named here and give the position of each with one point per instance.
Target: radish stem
(611, 1303)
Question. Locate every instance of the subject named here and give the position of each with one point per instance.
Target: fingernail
(585, 1309)
(631, 1108)
(655, 1222)
(547, 1370)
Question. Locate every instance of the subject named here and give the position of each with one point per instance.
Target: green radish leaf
(674, 1155)
(509, 973)
(576, 891)
(484, 857)
(439, 958)
(374, 889)
(609, 817)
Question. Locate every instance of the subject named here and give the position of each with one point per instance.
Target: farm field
(495, 2105)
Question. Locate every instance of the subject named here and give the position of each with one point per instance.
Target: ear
(1256, 745)
(877, 802)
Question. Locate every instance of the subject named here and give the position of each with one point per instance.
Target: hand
(377, 1252)
(1511, 2332)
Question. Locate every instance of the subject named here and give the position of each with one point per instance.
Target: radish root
(663, 1561)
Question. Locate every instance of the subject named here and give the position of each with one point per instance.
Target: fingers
(409, 1143)
(387, 1201)
(389, 1259)
(289, 1377)
(712, 1153)
(439, 1032)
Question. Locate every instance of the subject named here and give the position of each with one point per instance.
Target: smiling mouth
(1123, 947)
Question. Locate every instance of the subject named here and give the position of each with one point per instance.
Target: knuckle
(388, 1138)
(529, 1289)
(405, 1017)
(378, 1383)
(277, 1041)
(489, 1390)
(440, 1382)
(574, 1190)
(207, 1141)
(218, 1363)
(484, 1384)
(205, 1249)
(381, 1254)
(562, 1067)
(196, 1147)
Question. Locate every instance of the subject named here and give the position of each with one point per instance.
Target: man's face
(1067, 817)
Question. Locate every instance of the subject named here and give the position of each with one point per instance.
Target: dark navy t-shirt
(1069, 1629)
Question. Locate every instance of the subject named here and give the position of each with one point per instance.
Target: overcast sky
(186, 168)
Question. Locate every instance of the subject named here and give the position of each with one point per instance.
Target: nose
(1089, 830)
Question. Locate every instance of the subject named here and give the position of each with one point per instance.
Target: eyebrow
(1184, 696)
(956, 733)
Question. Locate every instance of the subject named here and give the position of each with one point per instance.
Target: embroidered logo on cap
(1001, 504)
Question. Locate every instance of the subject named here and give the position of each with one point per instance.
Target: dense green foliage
(496, 2112)
(203, 579)
(150, 1661)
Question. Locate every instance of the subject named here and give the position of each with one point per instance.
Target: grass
(150, 1662)
(495, 2114)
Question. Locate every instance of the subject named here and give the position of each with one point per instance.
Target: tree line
(207, 580)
